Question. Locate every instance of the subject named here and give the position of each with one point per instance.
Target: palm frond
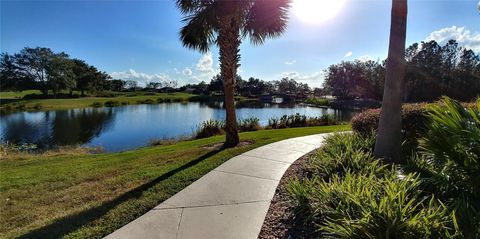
(266, 19)
(199, 30)
(192, 6)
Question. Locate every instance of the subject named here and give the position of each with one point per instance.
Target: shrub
(210, 128)
(97, 104)
(297, 120)
(148, 101)
(250, 124)
(178, 100)
(111, 103)
(37, 106)
(449, 160)
(167, 100)
(413, 121)
(365, 206)
(160, 100)
(344, 153)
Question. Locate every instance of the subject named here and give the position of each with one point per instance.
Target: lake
(132, 126)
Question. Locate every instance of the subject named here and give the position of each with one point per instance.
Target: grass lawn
(89, 196)
(12, 101)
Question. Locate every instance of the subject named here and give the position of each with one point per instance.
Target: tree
(84, 75)
(60, 73)
(33, 63)
(11, 78)
(225, 23)
(388, 141)
(116, 85)
(131, 85)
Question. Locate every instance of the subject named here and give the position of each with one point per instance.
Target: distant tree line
(251, 88)
(431, 71)
(42, 69)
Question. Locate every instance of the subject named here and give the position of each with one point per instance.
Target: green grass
(18, 94)
(89, 196)
(10, 102)
(317, 102)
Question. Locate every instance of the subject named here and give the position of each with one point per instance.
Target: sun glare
(316, 11)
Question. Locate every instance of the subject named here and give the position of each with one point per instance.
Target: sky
(138, 40)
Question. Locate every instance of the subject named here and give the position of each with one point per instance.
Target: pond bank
(92, 195)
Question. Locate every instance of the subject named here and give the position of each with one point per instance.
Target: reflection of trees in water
(80, 126)
(47, 129)
(247, 104)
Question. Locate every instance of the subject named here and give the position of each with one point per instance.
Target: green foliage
(366, 206)
(316, 101)
(97, 104)
(249, 124)
(414, 120)
(210, 128)
(348, 193)
(449, 160)
(111, 103)
(431, 71)
(298, 120)
(344, 153)
(146, 101)
(454, 136)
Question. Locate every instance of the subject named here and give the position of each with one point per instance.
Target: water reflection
(52, 128)
(132, 126)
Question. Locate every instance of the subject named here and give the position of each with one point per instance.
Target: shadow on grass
(70, 223)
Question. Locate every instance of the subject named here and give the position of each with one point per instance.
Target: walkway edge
(230, 201)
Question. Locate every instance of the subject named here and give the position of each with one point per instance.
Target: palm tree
(225, 23)
(388, 140)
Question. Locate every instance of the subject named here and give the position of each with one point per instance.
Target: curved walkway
(231, 201)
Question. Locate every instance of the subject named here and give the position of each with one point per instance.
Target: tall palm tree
(388, 142)
(225, 23)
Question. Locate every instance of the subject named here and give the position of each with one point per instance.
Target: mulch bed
(279, 222)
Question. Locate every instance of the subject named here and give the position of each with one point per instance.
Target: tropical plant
(344, 153)
(449, 160)
(210, 128)
(249, 124)
(388, 142)
(226, 23)
(366, 206)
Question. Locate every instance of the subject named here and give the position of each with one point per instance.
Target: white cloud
(205, 64)
(348, 54)
(142, 78)
(187, 71)
(290, 62)
(462, 35)
(204, 69)
(313, 80)
(365, 58)
(176, 70)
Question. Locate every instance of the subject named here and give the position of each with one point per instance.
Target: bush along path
(229, 202)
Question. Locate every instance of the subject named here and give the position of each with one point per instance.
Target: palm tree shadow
(71, 223)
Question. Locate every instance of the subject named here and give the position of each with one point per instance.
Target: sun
(316, 11)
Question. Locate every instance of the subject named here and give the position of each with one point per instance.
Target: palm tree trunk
(388, 142)
(229, 43)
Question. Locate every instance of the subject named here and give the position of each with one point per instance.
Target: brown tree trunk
(229, 43)
(388, 142)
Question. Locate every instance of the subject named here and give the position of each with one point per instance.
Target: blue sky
(139, 39)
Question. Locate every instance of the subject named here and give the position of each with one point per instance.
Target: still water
(132, 126)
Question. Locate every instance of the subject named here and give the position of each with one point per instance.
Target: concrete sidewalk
(229, 202)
